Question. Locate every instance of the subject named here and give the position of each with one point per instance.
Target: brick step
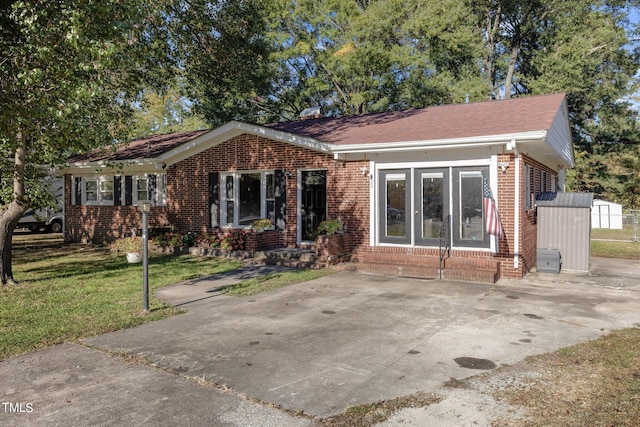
(415, 271)
(289, 257)
(399, 259)
(470, 275)
(424, 272)
(472, 263)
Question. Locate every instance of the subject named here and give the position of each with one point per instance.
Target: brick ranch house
(394, 179)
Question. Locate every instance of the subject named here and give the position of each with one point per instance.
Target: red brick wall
(348, 192)
(188, 180)
(188, 191)
(101, 224)
(528, 224)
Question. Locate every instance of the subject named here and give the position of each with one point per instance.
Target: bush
(330, 227)
(261, 224)
(235, 240)
(127, 245)
(168, 240)
(229, 240)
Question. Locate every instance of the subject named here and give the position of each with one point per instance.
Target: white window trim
(450, 165)
(159, 199)
(224, 221)
(99, 194)
(527, 187)
(160, 196)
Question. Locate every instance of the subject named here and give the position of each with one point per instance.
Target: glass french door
(431, 204)
(395, 206)
(415, 203)
(468, 219)
(404, 222)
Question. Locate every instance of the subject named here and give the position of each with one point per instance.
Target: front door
(313, 202)
(431, 205)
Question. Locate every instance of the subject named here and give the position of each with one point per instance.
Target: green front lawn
(68, 292)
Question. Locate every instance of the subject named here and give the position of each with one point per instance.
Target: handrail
(445, 241)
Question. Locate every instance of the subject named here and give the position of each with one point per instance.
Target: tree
(356, 57)
(164, 112)
(69, 73)
(223, 56)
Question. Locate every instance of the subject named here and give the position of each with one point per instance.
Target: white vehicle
(49, 220)
(42, 220)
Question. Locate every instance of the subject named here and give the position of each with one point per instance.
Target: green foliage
(354, 57)
(223, 54)
(261, 224)
(330, 226)
(69, 72)
(164, 112)
(230, 240)
(126, 245)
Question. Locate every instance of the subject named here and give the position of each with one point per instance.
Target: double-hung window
(248, 196)
(120, 190)
(97, 191)
(149, 188)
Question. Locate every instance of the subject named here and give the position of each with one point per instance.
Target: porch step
(427, 267)
(289, 257)
(413, 271)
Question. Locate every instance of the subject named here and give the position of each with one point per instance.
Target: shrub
(127, 245)
(168, 240)
(331, 226)
(261, 224)
(235, 240)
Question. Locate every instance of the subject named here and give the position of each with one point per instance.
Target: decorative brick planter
(334, 249)
(264, 240)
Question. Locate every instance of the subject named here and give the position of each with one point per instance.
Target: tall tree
(69, 72)
(164, 112)
(223, 55)
(355, 57)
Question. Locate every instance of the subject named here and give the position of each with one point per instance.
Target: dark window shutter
(117, 190)
(152, 189)
(78, 191)
(281, 199)
(128, 190)
(214, 198)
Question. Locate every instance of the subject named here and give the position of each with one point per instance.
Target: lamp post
(145, 207)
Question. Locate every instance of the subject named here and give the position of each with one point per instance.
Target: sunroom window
(248, 196)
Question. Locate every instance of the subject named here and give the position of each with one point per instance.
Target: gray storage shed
(564, 224)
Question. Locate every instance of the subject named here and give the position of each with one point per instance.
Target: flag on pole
(494, 226)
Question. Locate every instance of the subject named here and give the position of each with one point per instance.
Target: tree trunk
(511, 71)
(11, 213)
(8, 221)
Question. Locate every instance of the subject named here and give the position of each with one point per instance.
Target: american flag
(494, 226)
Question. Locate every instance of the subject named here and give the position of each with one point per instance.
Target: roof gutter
(438, 144)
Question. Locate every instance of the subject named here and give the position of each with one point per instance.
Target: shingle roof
(516, 115)
(147, 147)
(503, 117)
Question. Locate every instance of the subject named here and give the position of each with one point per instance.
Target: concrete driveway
(308, 351)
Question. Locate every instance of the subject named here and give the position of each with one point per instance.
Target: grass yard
(608, 243)
(68, 292)
(596, 383)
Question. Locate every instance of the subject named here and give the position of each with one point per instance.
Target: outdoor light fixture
(145, 208)
(503, 166)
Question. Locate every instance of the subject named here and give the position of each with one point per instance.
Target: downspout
(516, 205)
